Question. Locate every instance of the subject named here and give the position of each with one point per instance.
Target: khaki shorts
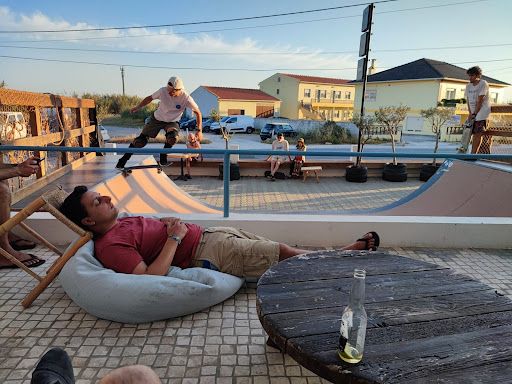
(154, 126)
(236, 252)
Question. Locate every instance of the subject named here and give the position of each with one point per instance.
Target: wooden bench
(306, 170)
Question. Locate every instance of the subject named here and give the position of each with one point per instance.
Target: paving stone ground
(223, 344)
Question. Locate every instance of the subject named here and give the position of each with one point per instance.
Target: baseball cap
(175, 82)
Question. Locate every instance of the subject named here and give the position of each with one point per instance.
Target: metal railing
(226, 153)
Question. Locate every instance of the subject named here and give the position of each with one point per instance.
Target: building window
(348, 95)
(337, 113)
(279, 79)
(337, 94)
(494, 97)
(307, 93)
(450, 93)
(323, 94)
(277, 91)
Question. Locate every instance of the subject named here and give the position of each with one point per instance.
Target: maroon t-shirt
(135, 239)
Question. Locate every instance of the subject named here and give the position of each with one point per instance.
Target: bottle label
(342, 342)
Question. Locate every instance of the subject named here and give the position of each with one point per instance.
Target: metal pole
(226, 175)
(122, 77)
(365, 71)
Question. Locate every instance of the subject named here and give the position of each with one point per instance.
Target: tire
(427, 171)
(249, 130)
(395, 173)
(234, 171)
(356, 174)
(206, 129)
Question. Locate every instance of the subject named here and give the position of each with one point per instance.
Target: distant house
(235, 101)
(311, 97)
(421, 84)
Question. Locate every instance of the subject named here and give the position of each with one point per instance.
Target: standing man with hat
(173, 101)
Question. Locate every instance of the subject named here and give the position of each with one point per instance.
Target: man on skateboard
(173, 101)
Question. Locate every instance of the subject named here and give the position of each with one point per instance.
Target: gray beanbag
(142, 298)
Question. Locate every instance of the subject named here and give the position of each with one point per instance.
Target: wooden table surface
(426, 323)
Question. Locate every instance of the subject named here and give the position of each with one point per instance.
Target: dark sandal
(18, 245)
(376, 239)
(33, 262)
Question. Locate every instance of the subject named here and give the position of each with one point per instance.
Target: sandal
(34, 261)
(376, 239)
(22, 244)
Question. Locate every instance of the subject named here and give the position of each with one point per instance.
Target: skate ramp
(461, 189)
(148, 191)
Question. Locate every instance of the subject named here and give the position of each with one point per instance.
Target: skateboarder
(173, 101)
(479, 107)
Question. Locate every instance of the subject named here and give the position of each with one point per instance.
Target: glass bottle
(353, 322)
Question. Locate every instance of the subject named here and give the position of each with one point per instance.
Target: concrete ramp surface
(150, 191)
(462, 189)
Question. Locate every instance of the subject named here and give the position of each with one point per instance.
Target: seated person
(280, 144)
(192, 142)
(141, 245)
(299, 160)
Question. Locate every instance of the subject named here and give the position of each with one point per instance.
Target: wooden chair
(50, 202)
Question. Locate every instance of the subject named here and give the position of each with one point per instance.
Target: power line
(205, 22)
(259, 52)
(240, 28)
(223, 69)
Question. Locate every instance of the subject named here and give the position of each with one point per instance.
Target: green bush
(330, 132)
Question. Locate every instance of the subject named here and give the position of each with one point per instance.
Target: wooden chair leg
(316, 174)
(54, 271)
(41, 239)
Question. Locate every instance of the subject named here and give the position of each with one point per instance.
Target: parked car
(237, 123)
(12, 126)
(188, 124)
(207, 124)
(270, 130)
(104, 133)
(215, 126)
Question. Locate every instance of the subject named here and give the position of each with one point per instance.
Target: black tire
(206, 129)
(427, 171)
(249, 130)
(234, 172)
(356, 174)
(395, 173)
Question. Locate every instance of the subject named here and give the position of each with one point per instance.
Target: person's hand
(169, 221)
(28, 167)
(178, 229)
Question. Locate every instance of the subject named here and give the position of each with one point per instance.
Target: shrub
(330, 132)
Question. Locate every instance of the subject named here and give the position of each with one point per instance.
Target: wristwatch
(176, 238)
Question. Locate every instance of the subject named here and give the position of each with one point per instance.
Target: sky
(238, 53)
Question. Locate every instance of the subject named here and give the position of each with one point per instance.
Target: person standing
(173, 101)
(479, 107)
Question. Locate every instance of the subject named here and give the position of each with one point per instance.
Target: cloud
(244, 52)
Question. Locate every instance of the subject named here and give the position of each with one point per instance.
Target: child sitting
(299, 160)
(193, 141)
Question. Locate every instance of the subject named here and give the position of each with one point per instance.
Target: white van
(12, 126)
(235, 123)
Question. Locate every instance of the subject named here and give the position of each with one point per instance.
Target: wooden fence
(36, 119)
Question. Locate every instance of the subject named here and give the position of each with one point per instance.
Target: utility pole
(362, 65)
(122, 77)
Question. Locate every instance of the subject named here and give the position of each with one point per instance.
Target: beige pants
(237, 252)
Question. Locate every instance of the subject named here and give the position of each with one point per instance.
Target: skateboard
(467, 129)
(127, 170)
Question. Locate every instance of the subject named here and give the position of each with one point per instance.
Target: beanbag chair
(142, 298)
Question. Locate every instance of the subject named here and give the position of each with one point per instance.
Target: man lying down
(140, 245)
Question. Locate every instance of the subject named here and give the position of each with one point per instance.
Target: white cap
(175, 82)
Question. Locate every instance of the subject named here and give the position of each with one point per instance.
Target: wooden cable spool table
(426, 323)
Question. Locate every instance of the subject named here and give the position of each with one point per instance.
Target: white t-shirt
(471, 95)
(171, 108)
(280, 145)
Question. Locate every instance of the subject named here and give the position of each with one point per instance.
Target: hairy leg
(5, 214)
(477, 142)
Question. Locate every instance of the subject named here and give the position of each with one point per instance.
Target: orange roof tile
(317, 79)
(239, 93)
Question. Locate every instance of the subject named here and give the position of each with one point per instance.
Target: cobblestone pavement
(294, 196)
(222, 344)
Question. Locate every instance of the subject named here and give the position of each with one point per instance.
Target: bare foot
(368, 244)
